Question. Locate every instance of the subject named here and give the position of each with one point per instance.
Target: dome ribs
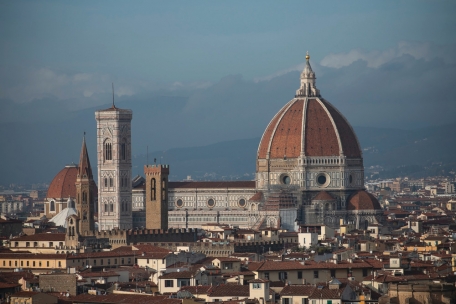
(286, 141)
(347, 136)
(320, 138)
(362, 200)
(266, 139)
(63, 184)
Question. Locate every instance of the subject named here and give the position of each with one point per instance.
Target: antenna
(113, 95)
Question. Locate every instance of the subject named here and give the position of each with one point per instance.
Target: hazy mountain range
(213, 131)
(398, 152)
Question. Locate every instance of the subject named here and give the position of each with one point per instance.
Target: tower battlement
(156, 169)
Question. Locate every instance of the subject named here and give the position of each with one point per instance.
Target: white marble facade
(114, 168)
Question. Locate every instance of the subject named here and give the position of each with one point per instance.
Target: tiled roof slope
(363, 200)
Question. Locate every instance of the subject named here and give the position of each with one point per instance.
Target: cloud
(376, 58)
(298, 67)
(27, 84)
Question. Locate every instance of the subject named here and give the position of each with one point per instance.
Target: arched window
(153, 189)
(84, 217)
(84, 197)
(52, 206)
(164, 189)
(106, 182)
(123, 150)
(106, 207)
(108, 151)
(122, 207)
(111, 207)
(111, 182)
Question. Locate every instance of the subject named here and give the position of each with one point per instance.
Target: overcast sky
(199, 41)
(69, 52)
(201, 72)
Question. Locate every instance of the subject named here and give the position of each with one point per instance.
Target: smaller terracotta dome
(362, 200)
(63, 184)
(323, 196)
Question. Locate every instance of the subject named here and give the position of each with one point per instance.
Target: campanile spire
(308, 87)
(85, 188)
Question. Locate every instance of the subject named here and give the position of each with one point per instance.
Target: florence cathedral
(309, 172)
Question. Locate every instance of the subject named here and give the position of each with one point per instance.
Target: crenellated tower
(114, 168)
(85, 189)
(156, 196)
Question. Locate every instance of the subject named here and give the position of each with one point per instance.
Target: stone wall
(58, 282)
(118, 238)
(422, 293)
(223, 249)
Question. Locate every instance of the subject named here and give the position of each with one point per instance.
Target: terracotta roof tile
(63, 184)
(286, 140)
(297, 290)
(229, 291)
(363, 200)
(326, 293)
(55, 237)
(323, 196)
(263, 148)
(321, 137)
(257, 197)
(200, 289)
(177, 275)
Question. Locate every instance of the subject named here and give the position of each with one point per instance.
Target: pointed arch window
(108, 150)
(106, 207)
(153, 189)
(163, 189)
(123, 150)
(84, 197)
(111, 207)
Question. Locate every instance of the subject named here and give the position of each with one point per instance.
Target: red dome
(63, 184)
(362, 200)
(311, 126)
(323, 196)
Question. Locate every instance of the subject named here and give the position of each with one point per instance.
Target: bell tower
(85, 188)
(114, 168)
(156, 196)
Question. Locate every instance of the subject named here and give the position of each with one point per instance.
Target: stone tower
(114, 168)
(85, 186)
(156, 196)
(72, 233)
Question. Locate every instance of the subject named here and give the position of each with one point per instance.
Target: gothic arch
(123, 149)
(271, 222)
(153, 189)
(107, 149)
